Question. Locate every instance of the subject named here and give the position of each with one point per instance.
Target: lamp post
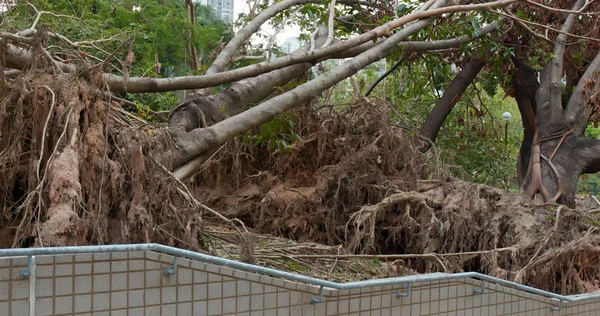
(506, 117)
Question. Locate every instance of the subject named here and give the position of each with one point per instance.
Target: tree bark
(201, 140)
(525, 85)
(446, 103)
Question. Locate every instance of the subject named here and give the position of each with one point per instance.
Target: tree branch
(245, 33)
(446, 103)
(556, 10)
(225, 130)
(141, 84)
(548, 96)
(330, 24)
(387, 73)
(577, 112)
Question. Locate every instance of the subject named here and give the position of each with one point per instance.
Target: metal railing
(176, 252)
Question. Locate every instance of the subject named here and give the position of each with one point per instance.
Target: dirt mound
(355, 181)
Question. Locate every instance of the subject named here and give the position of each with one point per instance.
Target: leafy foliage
(149, 41)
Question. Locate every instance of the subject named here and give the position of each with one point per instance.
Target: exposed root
(79, 170)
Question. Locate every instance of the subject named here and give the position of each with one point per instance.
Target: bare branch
(577, 113)
(523, 23)
(248, 57)
(548, 96)
(547, 28)
(556, 10)
(331, 23)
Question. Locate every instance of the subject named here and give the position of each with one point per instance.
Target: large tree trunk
(558, 153)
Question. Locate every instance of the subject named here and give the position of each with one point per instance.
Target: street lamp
(506, 117)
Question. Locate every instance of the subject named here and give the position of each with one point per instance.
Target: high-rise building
(224, 8)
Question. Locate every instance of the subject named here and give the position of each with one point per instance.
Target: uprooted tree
(76, 164)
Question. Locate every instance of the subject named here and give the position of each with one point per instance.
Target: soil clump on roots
(77, 169)
(355, 182)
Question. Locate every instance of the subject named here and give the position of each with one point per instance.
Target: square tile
(64, 270)
(214, 307)
(136, 280)
(170, 309)
(135, 298)
(102, 283)
(43, 306)
(118, 300)
(101, 302)
(184, 293)
(256, 301)
(118, 266)
(169, 295)
(243, 303)
(184, 276)
(20, 308)
(229, 288)
(136, 265)
(200, 277)
(271, 300)
(63, 258)
(215, 290)
(118, 256)
(4, 291)
(214, 278)
(63, 305)
(19, 261)
(40, 271)
(152, 311)
(83, 284)
(153, 296)
(255, 288)
(101, 267)
(4, 274)
(184, 309)
(200, 308)
(229, 305)
(83, 268)
(118, 281)
(83, 303)
(20, 289)
(200, 291)
(153, 278)
(64, 286)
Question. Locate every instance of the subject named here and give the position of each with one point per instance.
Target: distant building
(224, 8)
(290, 44)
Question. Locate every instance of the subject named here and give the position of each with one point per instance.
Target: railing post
(172, 270)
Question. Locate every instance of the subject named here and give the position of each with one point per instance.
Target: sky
(240, 6)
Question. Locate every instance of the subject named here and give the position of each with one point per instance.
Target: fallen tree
(82, 170)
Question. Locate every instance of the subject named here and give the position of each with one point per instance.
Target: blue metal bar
(557, 309)
(172, 270)
(25, 273)
(480, 290)
(399, 294)
(22, 252)
(319, 299)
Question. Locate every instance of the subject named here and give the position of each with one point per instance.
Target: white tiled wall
(134, 284)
